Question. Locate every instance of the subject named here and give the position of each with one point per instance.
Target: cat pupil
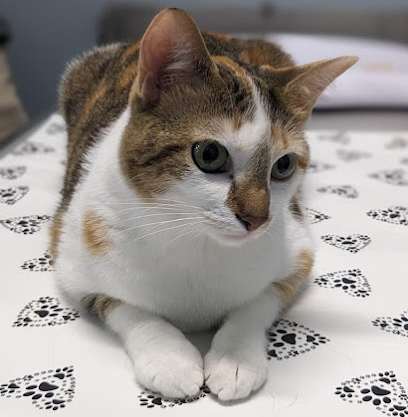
(210, 153)
(283, 164)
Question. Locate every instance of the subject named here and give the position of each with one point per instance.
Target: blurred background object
(12, 115)
(47, 34)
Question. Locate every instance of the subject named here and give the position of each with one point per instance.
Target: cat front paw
(174, 372)
(232, 373)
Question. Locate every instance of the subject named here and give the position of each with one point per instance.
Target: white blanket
(340, 350)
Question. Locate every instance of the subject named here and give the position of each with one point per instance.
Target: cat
(181, 208)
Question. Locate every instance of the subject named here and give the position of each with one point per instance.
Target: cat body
(153, 239)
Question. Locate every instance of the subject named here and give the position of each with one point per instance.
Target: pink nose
(251, 223)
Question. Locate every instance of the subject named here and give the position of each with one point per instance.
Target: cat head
(218, 125)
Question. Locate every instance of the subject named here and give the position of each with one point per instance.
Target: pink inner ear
(154, 58)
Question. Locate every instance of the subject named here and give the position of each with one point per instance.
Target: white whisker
(178, 237)
(163, 222)
(159, 231)
(150, 215)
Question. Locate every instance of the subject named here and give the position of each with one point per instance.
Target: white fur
(190, 276)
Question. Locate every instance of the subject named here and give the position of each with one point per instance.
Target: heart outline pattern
(45, 312)
(49, 390)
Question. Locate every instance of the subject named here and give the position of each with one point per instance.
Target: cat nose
(251, 223)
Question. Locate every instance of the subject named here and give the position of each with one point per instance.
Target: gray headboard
(127, 22)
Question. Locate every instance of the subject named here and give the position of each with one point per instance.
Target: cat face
(232, 164)
(223, 136)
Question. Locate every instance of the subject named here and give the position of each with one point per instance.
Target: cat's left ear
(172, 52)
(305, 83)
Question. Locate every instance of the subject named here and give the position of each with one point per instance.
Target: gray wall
(48, 33)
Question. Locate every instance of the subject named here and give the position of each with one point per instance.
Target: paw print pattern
(12, 173)
(150, 399)
(45, 312)
(391, 176)
(339, 137)
(55, 128)
(315, 216)
(47, 390)
(26, 225)
(288, 339)
(11, 195)
(404, 161)
(43, 264)
(397, 143)
(352, 282)
(382, 391)
(351, 156)
(346, 191)
(316, 166)
(32, 148)
(351, 243)
(395, 215)
(396, 325)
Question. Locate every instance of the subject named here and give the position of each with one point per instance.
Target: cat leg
(236, 364)
(164, 360)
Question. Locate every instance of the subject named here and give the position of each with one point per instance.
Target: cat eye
(210, 156)
(284, 167)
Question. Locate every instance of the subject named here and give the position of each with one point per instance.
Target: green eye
(210, 156)
(284, 167)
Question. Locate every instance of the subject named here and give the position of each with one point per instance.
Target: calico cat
(181, 208)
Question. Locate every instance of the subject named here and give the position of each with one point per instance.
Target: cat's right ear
(172, 52)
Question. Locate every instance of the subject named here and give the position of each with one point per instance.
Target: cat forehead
(252, 129)
(246, 134)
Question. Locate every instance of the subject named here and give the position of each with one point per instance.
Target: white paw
(233, 373)
(174, 371)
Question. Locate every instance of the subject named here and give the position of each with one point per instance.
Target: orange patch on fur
(285, 141)
(286, 289)
(127, 76)
(55, 233)
(130, 52)
(88, 107)
(237, 121)
(100, 305)
(253, 56)
(234, 66)
(95, 234)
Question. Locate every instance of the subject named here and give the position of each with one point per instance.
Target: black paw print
(346, 191)
(288, 339)
(316, 166)
(315, 216)
(352, 282)
(11, 195)
(394, 215)
(49, 390)
(351, 243)
(351, 156)
(382, 390)
(395, 325)
(45, 312)
(150, 399)
(12, 173)
(43, 264)
(26, 225)
(391, 176)
(31, 148)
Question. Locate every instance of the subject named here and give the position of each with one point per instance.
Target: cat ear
(172, 52)
(307, 82)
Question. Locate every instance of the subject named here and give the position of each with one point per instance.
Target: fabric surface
(341, 349)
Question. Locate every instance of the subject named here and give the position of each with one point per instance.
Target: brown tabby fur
(156, 146)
